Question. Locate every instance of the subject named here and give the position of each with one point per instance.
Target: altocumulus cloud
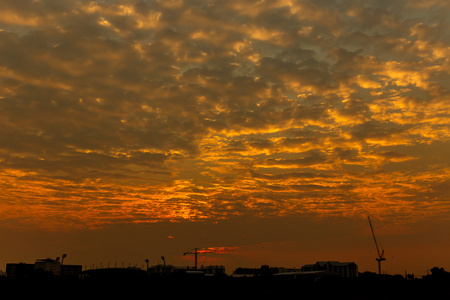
(142, 111)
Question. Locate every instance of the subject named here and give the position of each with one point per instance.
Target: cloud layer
(143, 111)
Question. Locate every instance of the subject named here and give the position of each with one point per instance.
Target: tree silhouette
(439, 273)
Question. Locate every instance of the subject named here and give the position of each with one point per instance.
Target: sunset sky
(135, 129)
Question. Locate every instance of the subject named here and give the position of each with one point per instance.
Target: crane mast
(195, 252)
(380, 257)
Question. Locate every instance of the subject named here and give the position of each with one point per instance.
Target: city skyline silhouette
(277, 133)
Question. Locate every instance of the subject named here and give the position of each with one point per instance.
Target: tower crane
(380, 257)
(195, 252)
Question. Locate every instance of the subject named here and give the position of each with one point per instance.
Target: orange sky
(134, 129)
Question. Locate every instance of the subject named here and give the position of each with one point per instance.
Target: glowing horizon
(145, 112)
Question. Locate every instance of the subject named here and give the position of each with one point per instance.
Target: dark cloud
(175, 103)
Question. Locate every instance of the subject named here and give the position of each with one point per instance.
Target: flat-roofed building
(70, 270)
(19, 270)
(48, 265)
(343, 269)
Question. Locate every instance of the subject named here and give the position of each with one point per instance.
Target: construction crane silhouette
(380, 257)
(197, 251)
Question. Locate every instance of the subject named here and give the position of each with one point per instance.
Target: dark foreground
(224, 287)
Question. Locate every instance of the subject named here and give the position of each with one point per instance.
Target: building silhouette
(167, 270)
(342, 269)
(19, 270)
(264, 270)
(318, 270)
(47, 266)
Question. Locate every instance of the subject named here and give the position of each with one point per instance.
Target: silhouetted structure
(113, 274)
(318, 270)
(70, 270)
(48, 266)
(264, 270)
(438, 274)
(321, 270)
(195, 252)
(168, 270)
(380, 257)
(342, 269)
(19, 270)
